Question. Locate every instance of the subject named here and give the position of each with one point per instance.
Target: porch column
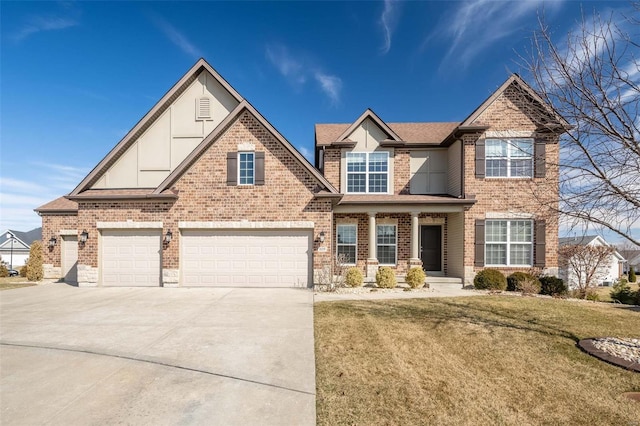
(372, 261)
(415, 241)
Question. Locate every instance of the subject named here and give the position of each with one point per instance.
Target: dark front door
(431, 252)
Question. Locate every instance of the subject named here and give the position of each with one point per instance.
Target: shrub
(490, 279)
(632, 275)
(415, 277)
(592, 295)
(23, 270)
(553, 286)
(385, 277)
(4, 271)
(354, 277)
(526, 283)
(35, 271)
(622, 293)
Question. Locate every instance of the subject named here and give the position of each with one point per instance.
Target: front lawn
(7, 283)
(604, 293)
(470, 361)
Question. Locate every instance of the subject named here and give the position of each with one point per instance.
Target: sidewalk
(397, 293)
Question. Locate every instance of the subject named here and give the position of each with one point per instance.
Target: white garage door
(70, 258)
(273, 258)
(131, 257)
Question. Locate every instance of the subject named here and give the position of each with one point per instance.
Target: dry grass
(470, 361)
(7, 283)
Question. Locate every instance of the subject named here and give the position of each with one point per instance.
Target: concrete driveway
(156, 356)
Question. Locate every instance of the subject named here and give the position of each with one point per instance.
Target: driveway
(156, 356)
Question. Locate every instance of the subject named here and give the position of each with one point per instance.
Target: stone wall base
(372, 268)
(87, 276)
(170, 277)
(52, 272)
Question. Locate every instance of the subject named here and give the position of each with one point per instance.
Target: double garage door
(208, 258)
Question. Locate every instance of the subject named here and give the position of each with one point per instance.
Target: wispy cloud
(307, 153)
(176, 37)
(299, 69)
(389, 21)
(477, 25)
(38, 24)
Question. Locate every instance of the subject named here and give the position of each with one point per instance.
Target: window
(508, 242)
(386, 244)
(246, 169)
(367, 172)
(509, 157)
(348, 242)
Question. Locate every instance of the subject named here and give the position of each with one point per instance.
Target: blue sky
(76, 76)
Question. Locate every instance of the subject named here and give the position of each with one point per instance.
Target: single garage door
(131, 257)
(233, 258)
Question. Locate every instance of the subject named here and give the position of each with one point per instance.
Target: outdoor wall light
(84, 236)
(322, 236)
(168, 236)
(52, 242)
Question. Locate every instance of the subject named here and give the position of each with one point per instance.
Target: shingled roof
(58, 205)
(417, 133)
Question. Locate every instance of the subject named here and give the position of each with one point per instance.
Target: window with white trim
(347, 242)
(246, 168)
(508, 242)
(386, 244)
(509, 157)
(367, 172)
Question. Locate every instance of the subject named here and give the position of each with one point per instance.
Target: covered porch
(401, 231)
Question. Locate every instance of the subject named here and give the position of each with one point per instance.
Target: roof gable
(552, 121)
(219, 130)
(368, 114)
(123, 156)
(20, 239)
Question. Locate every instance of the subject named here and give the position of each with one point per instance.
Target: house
(203, 191)
(15, 246)
(452, 197)
(607, 273)
(632, 261)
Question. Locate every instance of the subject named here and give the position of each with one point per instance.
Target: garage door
(70, 258)
(131, 257)
(273, 258)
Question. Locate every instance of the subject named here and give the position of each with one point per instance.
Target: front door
(431, 250)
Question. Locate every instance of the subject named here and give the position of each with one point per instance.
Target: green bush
(385, 277)
(632, 275)
(592, 296)
(354, 277)
(415, 277)
(526, 283)
(553, 286)
(622, 293)
(4, 271)
(35, 271)
(490, 279)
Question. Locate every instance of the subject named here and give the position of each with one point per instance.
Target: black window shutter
(480, 158)
(540, 242)
(259, 178)
(232, 168)
(479, 246)
(540, 161)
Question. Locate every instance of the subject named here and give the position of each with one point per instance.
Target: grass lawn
(7, 283)
(470, 361)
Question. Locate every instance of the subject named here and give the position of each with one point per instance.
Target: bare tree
(585, 265)
(592, 80)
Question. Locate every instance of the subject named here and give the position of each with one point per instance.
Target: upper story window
(367, 172)
(509, 157)
(246, 169)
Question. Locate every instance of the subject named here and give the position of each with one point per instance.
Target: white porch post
(372, 261)
(415, 241)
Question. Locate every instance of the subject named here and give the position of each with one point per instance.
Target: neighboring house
(453, 198)
(609, 272)
(203, 191)
(633, 260)
(15, 246)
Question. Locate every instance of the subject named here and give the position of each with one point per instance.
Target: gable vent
(203, 108)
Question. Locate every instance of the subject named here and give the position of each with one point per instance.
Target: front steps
(444, 283)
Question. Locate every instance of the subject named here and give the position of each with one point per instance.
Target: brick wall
(401, 171)
(537, 196)
(204, 196)
(51, 226)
